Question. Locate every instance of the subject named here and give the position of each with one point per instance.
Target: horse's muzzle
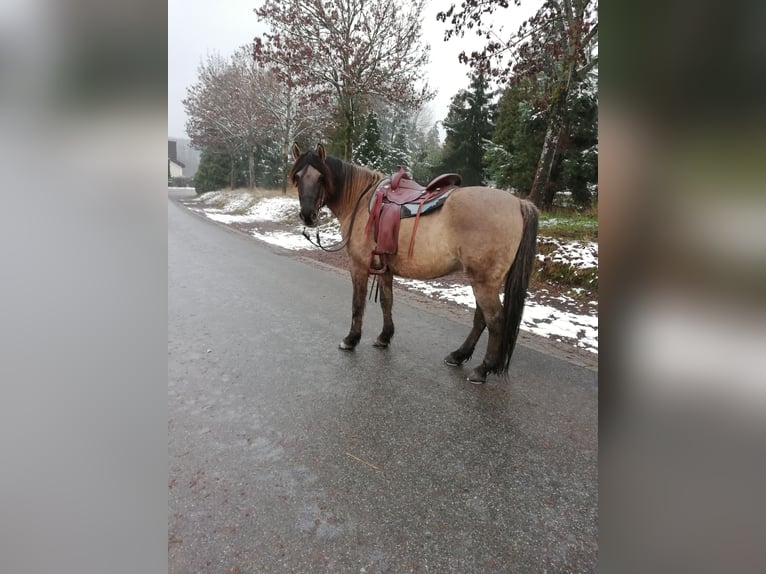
(309, 218)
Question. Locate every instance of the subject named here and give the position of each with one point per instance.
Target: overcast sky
(199, 27)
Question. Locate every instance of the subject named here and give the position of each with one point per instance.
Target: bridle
(341, 244)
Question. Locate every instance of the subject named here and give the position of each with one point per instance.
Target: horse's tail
(516, 283)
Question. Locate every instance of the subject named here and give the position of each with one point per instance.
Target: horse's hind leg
(386, 282)
(464, 352)
(359, 280)
(488, 300)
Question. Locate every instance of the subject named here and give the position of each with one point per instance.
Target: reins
(341, 244)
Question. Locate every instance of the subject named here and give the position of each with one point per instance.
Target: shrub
(180, 182)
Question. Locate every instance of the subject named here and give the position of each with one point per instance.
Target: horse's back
(477, 227)
(485, 211)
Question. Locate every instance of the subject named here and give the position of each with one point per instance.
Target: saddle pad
(411, 209)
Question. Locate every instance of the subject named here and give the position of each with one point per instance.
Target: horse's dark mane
(338, 175)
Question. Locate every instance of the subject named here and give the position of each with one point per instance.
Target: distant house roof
(173, 153)
(183, 155)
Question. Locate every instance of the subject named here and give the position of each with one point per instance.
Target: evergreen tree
(339, 136)
(469, 128)
(427, 156)
(219, 169)
(269, 165)
(517, 139)
(399, 154)
(579, 147)
(371, 151)
(214, 170)
(520, 131)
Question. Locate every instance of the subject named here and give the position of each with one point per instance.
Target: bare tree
(348, 50)
(244, 88)
(239, 105)
(288, 113)
(211, 112)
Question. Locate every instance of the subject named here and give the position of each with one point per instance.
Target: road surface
(287, 454)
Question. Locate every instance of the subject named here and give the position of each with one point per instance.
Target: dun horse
(487, 233)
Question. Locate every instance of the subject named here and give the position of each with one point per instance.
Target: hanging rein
(341, 244)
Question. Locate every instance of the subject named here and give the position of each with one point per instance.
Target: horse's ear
(296, 150)
(320, 152)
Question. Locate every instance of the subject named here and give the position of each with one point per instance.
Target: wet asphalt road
(289, 455)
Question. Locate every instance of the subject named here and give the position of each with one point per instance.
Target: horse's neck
(348, 201)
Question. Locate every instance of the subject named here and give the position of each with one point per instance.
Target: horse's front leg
(359, 280)
(386, 304)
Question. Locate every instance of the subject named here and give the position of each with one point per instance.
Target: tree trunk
(285, 162)
(542, 194)
(348, 139)
(287, 140)
(232, 172)
(251, 169)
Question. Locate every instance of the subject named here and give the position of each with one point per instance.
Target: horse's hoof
(477, 377)
(452, 361)
(379, 344)
(345, 346)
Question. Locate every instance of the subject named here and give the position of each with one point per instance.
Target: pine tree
(427, 156)
(269, 165)
(214, 171)
(370, 152)
(519, 132)
(517, 139)
(579, 146)
(469, 128)
(399, 154)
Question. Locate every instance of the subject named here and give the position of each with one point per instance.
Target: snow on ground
(293, 241)
(561, 325)
(437, 289)
(577, 254)
(551, 221)
(275, 209)
(539, 318)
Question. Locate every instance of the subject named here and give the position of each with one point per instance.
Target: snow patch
(577, 254)
(275, 209)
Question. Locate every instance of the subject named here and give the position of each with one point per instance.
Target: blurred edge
(683, 253)
(84, 287)
(683, 265)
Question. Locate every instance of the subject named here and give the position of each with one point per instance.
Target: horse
(487, 233)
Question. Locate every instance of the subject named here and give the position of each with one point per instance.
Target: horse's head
(313, 178)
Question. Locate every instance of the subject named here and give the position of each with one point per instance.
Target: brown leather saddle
(397, 198)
